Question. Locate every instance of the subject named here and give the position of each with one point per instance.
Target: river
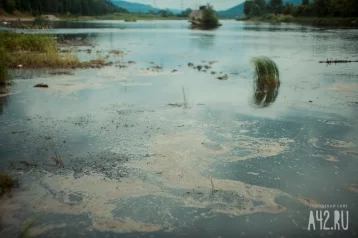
(173, 151)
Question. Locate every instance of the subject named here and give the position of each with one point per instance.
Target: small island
(204, 18)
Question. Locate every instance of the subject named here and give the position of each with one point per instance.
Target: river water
(176, 152)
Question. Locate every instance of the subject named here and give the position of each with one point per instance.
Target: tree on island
(209, 18)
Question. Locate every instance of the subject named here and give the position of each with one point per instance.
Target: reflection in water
(265, 95)
(203, 41)
(267, 81)
(83, 37)
(3, 100)
(273, 27)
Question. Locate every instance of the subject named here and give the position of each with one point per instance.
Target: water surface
(140, 163)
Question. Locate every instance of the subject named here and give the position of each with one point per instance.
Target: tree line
(315, 8)
(75, 7)
(169, 13)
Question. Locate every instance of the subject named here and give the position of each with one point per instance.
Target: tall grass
(34, 51)
(3, 66)
(49, 59)
(27, 42)
(266, 71)
(267, 81)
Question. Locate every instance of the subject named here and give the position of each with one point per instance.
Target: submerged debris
(61, 73)
(41, 85)
(352, 187)
(28, 164)
(175, 104)
(157, 67)
(116, 52)
(6, 183)
(337, 61)
(225, 77)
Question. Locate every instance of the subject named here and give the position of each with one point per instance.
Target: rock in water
(41, 85)
(225, 77)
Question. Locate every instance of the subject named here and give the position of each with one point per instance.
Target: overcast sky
(218, 4)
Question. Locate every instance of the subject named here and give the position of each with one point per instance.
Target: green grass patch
(33, 51)
(27, 42)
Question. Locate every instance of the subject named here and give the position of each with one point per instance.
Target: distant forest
(74, 7)
(313, 8)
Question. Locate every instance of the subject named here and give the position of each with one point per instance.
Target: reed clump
(267, 81)
(266, 70)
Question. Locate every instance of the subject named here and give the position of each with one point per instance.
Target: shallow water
(136, 166)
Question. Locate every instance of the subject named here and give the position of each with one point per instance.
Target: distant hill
(139, 7)
(134, 7)
(238, 10)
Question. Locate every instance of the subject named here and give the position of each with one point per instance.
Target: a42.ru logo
(328, 220)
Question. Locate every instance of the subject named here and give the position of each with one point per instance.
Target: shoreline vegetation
(123, 16)
(330, 13)
(315, 21)
(36, 51)
(342, 13)
(25, 10)
(350, 22)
